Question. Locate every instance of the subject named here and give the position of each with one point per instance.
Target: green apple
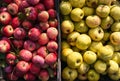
(67, 26)
(74, 60)
(92, 3)
(65, 7)
(77, 14)
(83, 68)
(82, 77)
(114, 12)
(106, 22)
(116, 57)
(69, 74)
(65, 53)
(115, 76)
(115, 38)
(105, 53)
(74, 48)
(113, 67)
(88, 10)
(81, 26)
(96, 34)
(93, 75)
(103, 10)
(72, 37)
(77, 3)
(89, 57)
(93, 21)
(64, 44)
(115, 27)
(83, 41)
(106, 36)
(100, 66)
(95, 46)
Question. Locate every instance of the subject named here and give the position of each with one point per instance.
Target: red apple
(34, 69)
(53, 23)
(25, 55)
(18, 2)
(8, 69)
(19, 33)
(29, 45)
(43, 39)
(43, 16)
(5, 18)
(29, 77)
(22, 67)
(43, 75)
(52, 33)
(52, 13)
(42, 51)
(34, 34)
(18, 43)
(7, 39)
(15, 22)
(31, 13)
(40, 7)
(33, 2)
(52, 46)
(4, 46)
(23, 4)
(11, 58)
(49, 4)
(38, 60)
(11, 77)
(51, 58)
(12, 8)
(44, 26)
(8, 30)
(27, 24)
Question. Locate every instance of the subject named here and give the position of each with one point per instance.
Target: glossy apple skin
(10, 58)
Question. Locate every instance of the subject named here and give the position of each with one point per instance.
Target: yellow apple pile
(90, 39)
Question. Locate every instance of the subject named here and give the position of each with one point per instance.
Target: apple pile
(90, 39)
(28, 39)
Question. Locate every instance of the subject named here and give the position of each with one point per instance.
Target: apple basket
(17, 15)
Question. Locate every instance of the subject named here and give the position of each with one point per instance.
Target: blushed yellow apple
(88, 10)
(82, 77)
(115, 27)
(115, 38)
(77, 3)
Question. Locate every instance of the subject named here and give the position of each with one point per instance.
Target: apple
(115, 27)
(18, 43)
(77, 3)
(100, 66)
(51, 58)
(11, 77)
(82, 77)
(81, 26)
(43, 75)
(93, 75)
(106, 2)
(8, 69)
(44, 25)
(83, 41)
(106, 22)
(8, 30)
(74, 59)
(12, 8)
(92, 3)
(4, 46)
(69, 74)
(29, 45)
(29, 77)
(52, 13)
(65, 7)
(90, 57)
(72, 37)
(43, 16)
(93, 21)
(5, 18)
(49, 4)
(11, 58)
(103, 10)
(34, 34)
(43, 39)
(83, 68)
(53, 23)
(33, 2)
(15, 22)
(64, 44)
(42, 51)
(39, 7)
(52, 33)
(88, 11)
(34, 69)
(52, 46)
(19, 33)
(116, 57)
(96, 34)
(114, 38)
(77, 14)
(27, 24)
(38, 60)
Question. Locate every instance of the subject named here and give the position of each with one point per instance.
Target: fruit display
(90, 34)
(28, 40)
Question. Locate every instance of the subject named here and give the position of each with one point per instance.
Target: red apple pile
(29, 39)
